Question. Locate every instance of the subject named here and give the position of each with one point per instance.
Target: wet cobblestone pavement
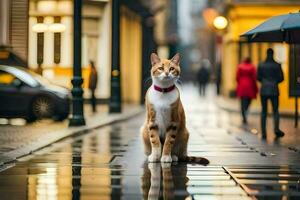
(16, 132)
(108, 163)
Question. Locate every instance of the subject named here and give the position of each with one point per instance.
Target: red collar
(164, 90)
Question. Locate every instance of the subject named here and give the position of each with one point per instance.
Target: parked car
(25, 94)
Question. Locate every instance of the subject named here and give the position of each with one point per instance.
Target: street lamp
(57, 27)
(220, 22)
(40, 28)
(116, 98)
(77, 118)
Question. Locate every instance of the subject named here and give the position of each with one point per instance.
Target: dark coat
(270, 75)
(93, 79)
(246, 80)
(218, 73)
(203, 75)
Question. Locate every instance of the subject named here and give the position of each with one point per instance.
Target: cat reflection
(160, 180)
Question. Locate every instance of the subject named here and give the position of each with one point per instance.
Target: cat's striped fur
(164, 132)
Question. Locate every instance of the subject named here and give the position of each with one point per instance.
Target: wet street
(108, 163)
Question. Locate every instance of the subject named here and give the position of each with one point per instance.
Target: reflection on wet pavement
(169, 176)
(108, 163)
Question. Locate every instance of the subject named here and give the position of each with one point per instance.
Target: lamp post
(115, 99)
(220, 24)
(148, 46)
(77, 118)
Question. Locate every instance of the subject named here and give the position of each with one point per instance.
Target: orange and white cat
(164, 132)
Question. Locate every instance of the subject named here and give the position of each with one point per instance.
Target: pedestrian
(93, 79)
(270, 75)
(218, 77)
(246, 85)
(203, 76)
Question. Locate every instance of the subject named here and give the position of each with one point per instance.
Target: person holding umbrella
(270, 74)
(281, 28)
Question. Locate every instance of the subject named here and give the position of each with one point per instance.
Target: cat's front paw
(174, 158)
(154, 157)
(166, 159)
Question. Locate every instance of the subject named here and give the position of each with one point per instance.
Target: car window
(23, 76)
(6, 78)
(39, 78)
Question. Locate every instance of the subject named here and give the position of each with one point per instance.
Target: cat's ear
(154, 59)
(176, 59)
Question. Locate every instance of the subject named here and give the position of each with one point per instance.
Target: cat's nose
(167, 73)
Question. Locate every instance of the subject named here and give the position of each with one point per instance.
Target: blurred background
(38, 35)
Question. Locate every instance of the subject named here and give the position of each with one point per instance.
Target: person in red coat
(246, 85)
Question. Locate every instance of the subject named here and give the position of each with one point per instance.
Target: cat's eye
(172, 68)
(160, 68)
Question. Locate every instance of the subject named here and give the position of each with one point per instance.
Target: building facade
(13, 32)
(53, 52)
(55, 58)
(39, 33)
(243, 16)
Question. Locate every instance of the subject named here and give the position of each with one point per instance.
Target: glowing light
(39, 27)
(57, 27)
(254, 131)
(220, 22)
(115, 73)
(46, 6)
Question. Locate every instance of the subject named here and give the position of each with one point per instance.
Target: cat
(164, 132)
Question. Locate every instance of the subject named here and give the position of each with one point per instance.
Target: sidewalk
(18, 138)
(233, 105)
(292, 134)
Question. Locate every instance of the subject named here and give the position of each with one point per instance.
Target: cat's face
(165, 70)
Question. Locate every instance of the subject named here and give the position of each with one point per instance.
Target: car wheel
(42, 107)
(60, 118)
(30, 118)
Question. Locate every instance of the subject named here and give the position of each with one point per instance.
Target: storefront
(241, 19)
(50, 49)
(50, 46)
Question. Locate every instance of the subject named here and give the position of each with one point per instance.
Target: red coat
(246, 80)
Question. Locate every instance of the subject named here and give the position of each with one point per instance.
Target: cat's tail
(194, 160)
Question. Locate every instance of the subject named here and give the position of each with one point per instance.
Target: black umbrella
(282, 28)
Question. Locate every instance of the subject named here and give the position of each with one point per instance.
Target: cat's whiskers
(163, 84)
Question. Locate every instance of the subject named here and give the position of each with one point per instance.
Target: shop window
(294, 71)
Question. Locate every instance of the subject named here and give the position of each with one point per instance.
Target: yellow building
(54, 19)
(131, 55)
(243, 17)
(57, 62)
